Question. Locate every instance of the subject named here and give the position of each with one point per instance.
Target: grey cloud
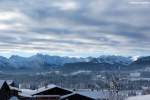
(98, 25)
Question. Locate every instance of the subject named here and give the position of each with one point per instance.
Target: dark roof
(1, 83)
(74, 96)
(9, 82)
(52, 88)
(4, 85)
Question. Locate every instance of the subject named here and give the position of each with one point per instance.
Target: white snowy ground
(13, 98)
(141, 97)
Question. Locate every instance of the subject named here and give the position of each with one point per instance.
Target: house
(4, 90)
(52, 90)
(7, 91)
(75, 96)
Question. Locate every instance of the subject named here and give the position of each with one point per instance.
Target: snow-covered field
(141, 97)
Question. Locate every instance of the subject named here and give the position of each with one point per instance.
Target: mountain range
(40, 61)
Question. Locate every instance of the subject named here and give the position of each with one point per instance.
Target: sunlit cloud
(66, 5)
(8, 15)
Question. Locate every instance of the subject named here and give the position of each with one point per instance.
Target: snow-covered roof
(25, 95)
(26, 92)
(141, 97)
(7, 81)
(51, 86)
(14, 88)
(30, 92)
(95, 94)
(62, 97)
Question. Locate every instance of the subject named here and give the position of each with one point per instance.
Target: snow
(68, 95)
(65, 96)
(24, 95)
(141, 97)
(81, 72)
(51, 86)
(14, 98)
(147, 69)
(40, 60)
(94, 94)
(27, 92)
(49, 72)
(134, 58)
(114, 59)
(14, 88)
(135, 74)
(138, 79)
(45, 88)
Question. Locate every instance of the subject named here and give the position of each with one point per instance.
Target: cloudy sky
(75, 27)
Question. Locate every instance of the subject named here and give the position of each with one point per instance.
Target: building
(7, 91)
(51, 92)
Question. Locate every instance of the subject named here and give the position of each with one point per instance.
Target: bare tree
(114, 88)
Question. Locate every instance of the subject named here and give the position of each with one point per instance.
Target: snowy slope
(114, 59)
(141, 97)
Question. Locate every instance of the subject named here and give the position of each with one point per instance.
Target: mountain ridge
(41, 61)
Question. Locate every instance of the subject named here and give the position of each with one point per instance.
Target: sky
(75, 27)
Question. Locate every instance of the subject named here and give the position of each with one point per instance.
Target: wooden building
(52, 90)
(7, 91)
(4, 91)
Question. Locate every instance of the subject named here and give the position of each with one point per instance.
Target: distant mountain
(106, 63)
(40, 61)
(141, 63)
(4, 63)
(113, 60)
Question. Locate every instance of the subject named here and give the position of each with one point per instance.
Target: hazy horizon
(26, 56)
